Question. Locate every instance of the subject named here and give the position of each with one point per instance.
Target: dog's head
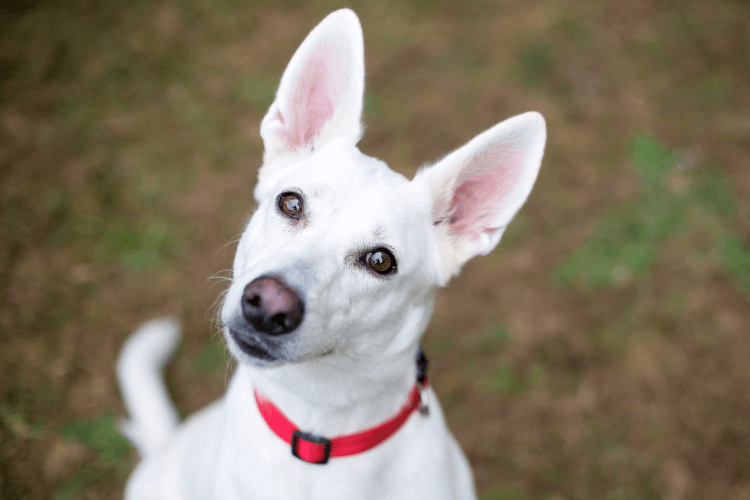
(343, 255)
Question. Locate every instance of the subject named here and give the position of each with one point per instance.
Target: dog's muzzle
(271, 306)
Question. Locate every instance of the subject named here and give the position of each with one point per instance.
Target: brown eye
(290, 204)
(380, 261)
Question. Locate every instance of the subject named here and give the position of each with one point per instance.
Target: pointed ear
(321, 91)
(476, 190)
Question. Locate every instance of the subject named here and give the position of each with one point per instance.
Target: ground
(599, 353)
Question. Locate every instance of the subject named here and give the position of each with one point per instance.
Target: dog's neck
(336, 395)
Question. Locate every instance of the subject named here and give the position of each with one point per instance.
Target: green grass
(211, 357)
(651, 161)
(716, 90)
(139, 248)
(113, 450)
(101, 434)
(493, 339)
(613, 338)
(713, 192)
(12, 418)
(107, 186)
(613, 469)
(515, 234)
(503, 492)
(573, 29)
(256, 90)
(506, 380)
(437, 343)
(625, 244)
(73, 487)
(535, 63)
(735, 255)
(373, 105)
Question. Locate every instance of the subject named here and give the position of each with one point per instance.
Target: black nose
(271, 306)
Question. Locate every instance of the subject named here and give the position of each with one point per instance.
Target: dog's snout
(271, 306)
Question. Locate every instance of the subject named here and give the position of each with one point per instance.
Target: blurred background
(601, 352)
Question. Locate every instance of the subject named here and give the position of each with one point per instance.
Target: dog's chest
(255, 463)
(222, 454)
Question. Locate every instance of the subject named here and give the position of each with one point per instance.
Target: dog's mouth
(326, 353)
(251, 348)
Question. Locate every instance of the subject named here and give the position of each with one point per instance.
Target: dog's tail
(153, 417)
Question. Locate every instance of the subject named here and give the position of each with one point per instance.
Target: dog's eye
(381, 261)
(290, 204)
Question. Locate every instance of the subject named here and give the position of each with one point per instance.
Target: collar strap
(316, 449)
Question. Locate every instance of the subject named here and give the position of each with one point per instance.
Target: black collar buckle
(422, 363)
(314, 449)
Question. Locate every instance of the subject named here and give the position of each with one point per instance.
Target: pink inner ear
(316, 92)
(483, 190)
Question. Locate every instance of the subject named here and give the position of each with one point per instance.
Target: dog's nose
(271, 306)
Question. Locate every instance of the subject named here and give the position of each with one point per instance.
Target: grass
(492, 346)
(515, 234)
(625, 245)
(505, 380)
(373, 106)
(112, 449)
(213, 356)
(735, 255)
(618, 466)
(613, 338)
(74, 487)
(101, 435)
(140, 249)
(535, 63)
(13, 420)
(494, 338)
(501, 492)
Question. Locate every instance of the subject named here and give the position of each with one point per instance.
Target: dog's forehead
(344, 179)
(353, 200)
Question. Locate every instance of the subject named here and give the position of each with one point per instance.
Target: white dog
(334, 283)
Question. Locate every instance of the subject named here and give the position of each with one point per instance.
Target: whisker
(237, 238)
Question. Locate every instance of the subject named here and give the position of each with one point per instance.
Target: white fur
(139, 370)
(350, 364)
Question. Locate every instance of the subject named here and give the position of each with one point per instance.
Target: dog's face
(343, 256)
(342, 241)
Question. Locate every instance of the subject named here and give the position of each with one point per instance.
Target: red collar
(317, 449)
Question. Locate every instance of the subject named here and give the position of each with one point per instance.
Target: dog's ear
(476, 190)
(321, 92)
